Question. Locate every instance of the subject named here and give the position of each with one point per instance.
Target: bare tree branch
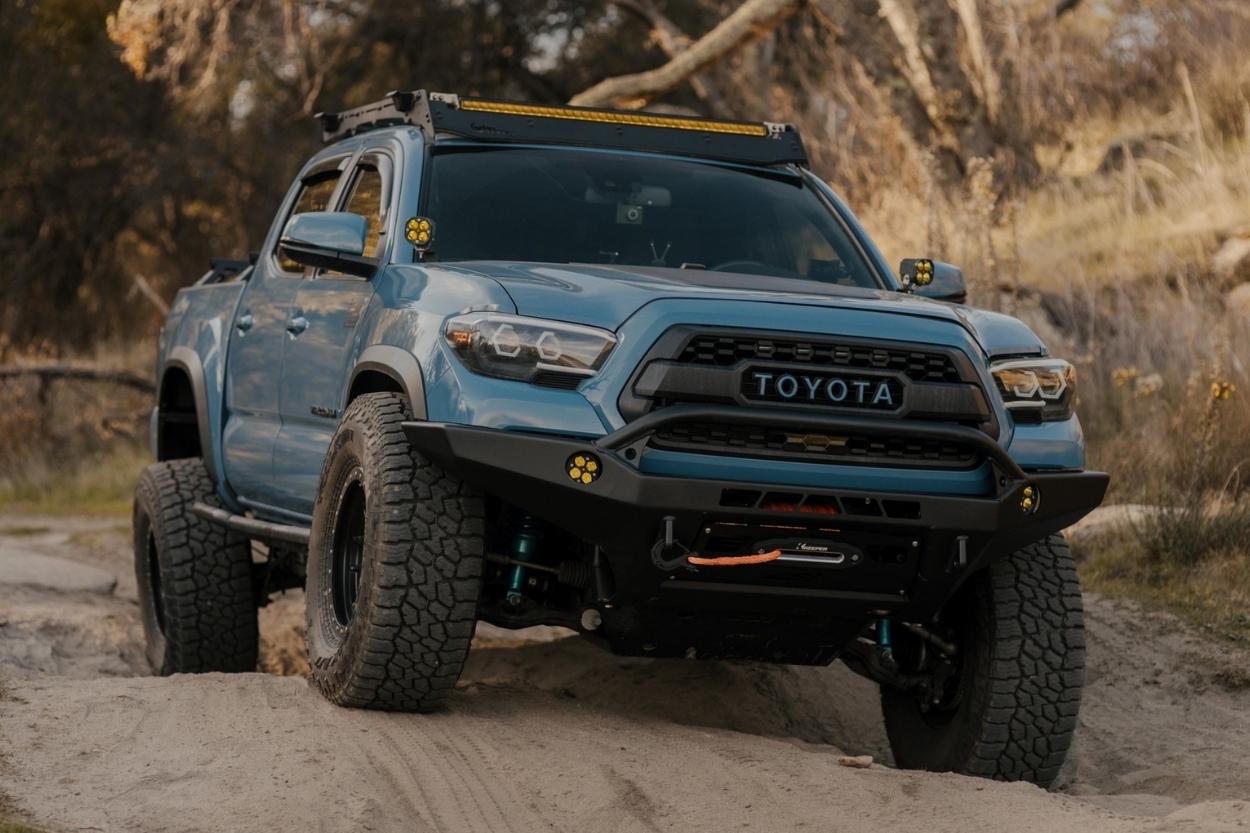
(748, 21)
(144, 288)
(81, 373)
(674, 41)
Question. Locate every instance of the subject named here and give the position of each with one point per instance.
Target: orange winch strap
(733, 560)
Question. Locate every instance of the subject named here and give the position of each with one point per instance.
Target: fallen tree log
(80, 373)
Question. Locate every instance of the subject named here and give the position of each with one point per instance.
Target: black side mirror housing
(933, 279)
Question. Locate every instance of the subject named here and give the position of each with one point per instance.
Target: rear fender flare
(186, 360)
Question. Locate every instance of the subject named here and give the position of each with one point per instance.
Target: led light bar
(447, 116)
(543, 111)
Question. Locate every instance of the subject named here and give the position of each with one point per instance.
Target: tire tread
(206, 573)
(422, 609)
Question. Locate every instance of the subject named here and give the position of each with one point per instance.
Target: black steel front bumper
(915, 548)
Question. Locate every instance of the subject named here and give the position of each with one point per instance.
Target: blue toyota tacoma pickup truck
(639, 375)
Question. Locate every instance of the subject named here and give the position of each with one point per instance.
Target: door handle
(296, 325)
(244, 322)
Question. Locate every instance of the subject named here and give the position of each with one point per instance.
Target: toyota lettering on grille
(815, 388)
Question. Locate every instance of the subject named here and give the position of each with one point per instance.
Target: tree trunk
(986, 79)
(949, 102)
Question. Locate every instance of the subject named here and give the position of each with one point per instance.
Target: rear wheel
(196, 594)
(1009, 706)
(394, 567)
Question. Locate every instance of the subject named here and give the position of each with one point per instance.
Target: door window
(366, 200)
(314, 195)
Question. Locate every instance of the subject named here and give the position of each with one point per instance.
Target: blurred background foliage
(142, 136)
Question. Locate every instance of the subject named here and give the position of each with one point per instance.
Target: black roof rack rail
(492, 120)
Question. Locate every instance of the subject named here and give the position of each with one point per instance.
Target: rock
(855, 761)
(50, 573)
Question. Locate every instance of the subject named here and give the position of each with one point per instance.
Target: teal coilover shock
(884, 638)
(524, 548)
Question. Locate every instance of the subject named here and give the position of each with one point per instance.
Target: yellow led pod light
(543, 111)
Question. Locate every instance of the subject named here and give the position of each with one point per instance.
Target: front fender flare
(398, 364)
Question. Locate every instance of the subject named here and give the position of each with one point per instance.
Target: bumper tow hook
(668, 553)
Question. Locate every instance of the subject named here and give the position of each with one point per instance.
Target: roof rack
(445, 114)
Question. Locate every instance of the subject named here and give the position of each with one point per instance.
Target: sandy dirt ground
(548, 733)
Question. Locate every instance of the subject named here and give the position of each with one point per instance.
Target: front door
(253, 361)
(316, 360)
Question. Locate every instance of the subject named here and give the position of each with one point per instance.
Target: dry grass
(99, 484)
(9, 824)
(1212, 595)
(1160, 216)
(73, 447)
(1145, 188)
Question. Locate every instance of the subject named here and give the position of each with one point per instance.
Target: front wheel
(394, 567)
(1009, 708)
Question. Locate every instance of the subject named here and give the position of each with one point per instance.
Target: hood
(1001, 335)
(606, 296)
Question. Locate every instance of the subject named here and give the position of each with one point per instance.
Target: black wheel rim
(154, 584)
(348, 555)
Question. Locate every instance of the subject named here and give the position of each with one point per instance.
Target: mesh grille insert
(918, 365)
(751, 440)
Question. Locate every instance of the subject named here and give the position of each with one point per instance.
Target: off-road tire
(420, 567)
(1020, 676)
(196, 594)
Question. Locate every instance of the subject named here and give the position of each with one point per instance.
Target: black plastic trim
(646, 425)
(188, 361)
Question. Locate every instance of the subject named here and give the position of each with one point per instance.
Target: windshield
(568, 206)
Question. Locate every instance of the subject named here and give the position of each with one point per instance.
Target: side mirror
(934, 279)
(329, 240)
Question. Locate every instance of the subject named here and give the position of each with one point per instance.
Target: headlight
(528, 349)
(1036, 390)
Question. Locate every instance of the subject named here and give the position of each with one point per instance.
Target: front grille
(757, 441)
(918, 365)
